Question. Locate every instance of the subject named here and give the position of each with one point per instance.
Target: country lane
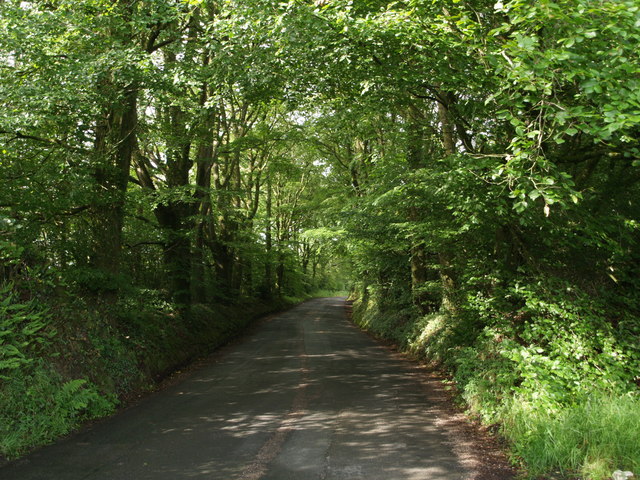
(304, 396)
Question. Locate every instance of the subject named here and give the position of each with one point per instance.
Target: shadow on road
(306, 396)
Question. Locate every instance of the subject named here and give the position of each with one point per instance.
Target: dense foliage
(149, 170)
(473, 165)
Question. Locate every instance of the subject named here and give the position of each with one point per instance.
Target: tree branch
(18, 135)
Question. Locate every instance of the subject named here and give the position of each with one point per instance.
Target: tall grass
(590, 440)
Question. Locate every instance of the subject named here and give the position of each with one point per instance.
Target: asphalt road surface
(305, 396)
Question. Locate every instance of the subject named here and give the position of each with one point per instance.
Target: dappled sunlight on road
(307, 396)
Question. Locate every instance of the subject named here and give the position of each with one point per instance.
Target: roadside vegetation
(469, 168)
(69, 356)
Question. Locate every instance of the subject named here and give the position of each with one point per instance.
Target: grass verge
(590, 440)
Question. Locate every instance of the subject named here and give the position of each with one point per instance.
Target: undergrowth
(37, 402)
(38, 405)
(553, 371)
(70, 354)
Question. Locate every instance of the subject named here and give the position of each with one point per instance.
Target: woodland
(469, 170)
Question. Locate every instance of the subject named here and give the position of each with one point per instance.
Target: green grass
(589, 440)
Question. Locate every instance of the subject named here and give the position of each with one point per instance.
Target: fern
(23, 326)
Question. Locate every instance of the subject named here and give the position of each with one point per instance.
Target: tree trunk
(280, 273)
(446, 256)
(447, 277)
(198, 270)
(204, 159)
(421, 272)
(115, 143)
(177, 259)
(268, 266)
